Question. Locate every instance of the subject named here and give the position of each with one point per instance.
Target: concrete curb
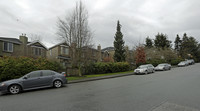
(99, 78)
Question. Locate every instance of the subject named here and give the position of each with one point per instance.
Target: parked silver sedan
(34, 80)
(191, 61)
(144, 69)
(163, 67)
(183, 63)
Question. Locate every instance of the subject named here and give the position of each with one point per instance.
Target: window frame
(64, 50)
(47, 75)
(28, 75)
(50, 52)
(37, 51)
(8, 46)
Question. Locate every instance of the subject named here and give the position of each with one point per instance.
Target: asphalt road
(174, 90)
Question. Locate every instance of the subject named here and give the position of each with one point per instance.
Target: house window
(50, 52)
(93, 53)
(65, 50)
(38, 51)
(7, 46)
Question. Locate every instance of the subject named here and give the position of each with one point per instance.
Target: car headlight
(2, 84)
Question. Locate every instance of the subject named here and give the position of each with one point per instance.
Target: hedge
(176, 61)
(155, 62)
(15, 67)
(102, 67)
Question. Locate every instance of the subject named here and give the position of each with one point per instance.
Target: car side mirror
(25, 77)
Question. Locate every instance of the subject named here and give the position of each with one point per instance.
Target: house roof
(31, 43)
(89, 47)
(57, 45)
(12, 40)
(108, 49)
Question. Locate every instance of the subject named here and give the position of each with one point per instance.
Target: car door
(33, 80)
(47, 77)
(168, 67)
(149, 69)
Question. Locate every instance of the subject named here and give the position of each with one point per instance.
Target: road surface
(174, 90)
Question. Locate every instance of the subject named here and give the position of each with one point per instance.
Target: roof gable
(12, 40)
(108, 49)
(62, 43)
(37, 44)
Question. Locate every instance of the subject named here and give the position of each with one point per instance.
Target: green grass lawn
(95, 75)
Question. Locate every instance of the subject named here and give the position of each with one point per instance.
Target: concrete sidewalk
(99, 78)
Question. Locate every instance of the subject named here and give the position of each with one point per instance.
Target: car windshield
(161, 64)
(142, 67)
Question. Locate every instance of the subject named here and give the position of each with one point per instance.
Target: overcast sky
(139, 18)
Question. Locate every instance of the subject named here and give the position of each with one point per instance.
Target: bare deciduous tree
(35, 37)
(75, 31)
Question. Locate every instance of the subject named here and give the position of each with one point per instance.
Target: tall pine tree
(119, 55)
(189, 47)
(149, 43)
(177, 44)
(161, 41)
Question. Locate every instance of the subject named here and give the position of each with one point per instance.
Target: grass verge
(95, 75)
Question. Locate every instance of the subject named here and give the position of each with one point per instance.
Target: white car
(144, 69)
(190, 61)
(183, 63)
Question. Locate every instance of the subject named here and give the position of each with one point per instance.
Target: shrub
(155, 62)
(15, 67)
(176, 61)
(110, 67)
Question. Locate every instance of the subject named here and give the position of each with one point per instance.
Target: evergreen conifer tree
(149, 42)
(177, 44)
(119, 55)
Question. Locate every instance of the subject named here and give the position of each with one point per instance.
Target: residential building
(108, 54)
(59, 53)
(10, 46)
(63, 54)
(21, 47)
(91, 55)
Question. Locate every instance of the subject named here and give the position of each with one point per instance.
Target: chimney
(99, 47)
(99, 53)
(23, 39)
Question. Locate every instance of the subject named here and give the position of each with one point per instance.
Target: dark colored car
(163, 67)
(33, 80)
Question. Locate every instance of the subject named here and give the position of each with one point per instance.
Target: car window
(150, 65)
(162, 65)
(34, 74)
(47, 73)
(142, 66)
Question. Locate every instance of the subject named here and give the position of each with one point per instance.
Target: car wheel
(153, 71)
(146, 72)
(14, 89)
(57, 83)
